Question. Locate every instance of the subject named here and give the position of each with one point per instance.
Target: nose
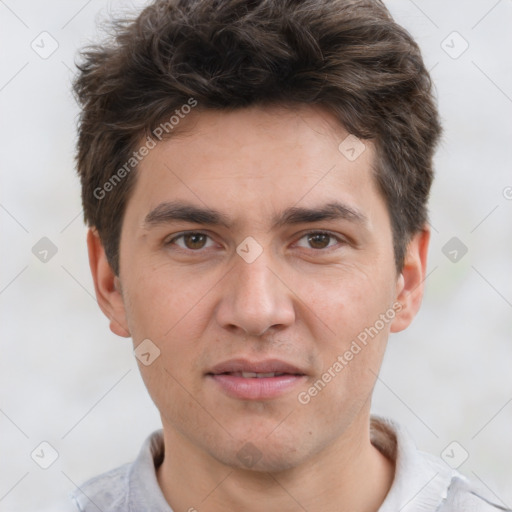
(255, 298)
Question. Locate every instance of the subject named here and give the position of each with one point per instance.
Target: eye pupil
(319, 240)
(194, 240)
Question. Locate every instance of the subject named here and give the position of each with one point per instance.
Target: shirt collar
(420, 484)
(143, 488)
(421, 480)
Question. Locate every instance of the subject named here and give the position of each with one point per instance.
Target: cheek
(170, 313)
(358, 313)
(347, 302)
(161, 302)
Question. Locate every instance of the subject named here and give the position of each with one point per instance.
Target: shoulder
(133, 486)
(424, 482)
(107, 492)
(465, 496)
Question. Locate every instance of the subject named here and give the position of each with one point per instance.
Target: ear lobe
(106, 286)
(410, 284)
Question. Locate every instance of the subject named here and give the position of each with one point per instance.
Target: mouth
(256, 380)
(254, 375)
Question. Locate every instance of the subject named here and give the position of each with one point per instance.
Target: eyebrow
(171, 211)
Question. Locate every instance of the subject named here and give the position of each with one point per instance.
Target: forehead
(257, 160)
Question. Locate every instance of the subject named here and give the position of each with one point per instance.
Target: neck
(349, 473)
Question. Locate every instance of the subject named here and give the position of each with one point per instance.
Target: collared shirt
(422, 482)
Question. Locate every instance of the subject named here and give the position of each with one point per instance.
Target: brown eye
(318, 240)
(192, 241)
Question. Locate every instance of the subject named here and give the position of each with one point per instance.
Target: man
(255, 176)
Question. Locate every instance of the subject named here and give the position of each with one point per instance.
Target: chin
(264, 451)
(251, 458)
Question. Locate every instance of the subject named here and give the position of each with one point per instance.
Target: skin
(303, 301)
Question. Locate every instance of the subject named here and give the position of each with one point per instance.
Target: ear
(410, 283)
(107, 286)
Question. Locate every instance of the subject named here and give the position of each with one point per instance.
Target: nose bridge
(257, 299)
(255, 282)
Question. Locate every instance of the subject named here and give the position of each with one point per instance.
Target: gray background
(66, 380)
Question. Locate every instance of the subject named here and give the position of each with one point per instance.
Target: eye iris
(194, 240)
(319, 240)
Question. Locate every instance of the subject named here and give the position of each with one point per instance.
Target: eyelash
(339, 239)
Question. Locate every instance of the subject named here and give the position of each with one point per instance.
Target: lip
(256, 388)
(264, 366)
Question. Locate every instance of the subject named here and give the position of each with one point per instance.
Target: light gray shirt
(422, 482)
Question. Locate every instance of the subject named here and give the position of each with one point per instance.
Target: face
(258, 260)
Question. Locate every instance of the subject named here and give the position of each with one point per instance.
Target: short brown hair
(346, 55)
